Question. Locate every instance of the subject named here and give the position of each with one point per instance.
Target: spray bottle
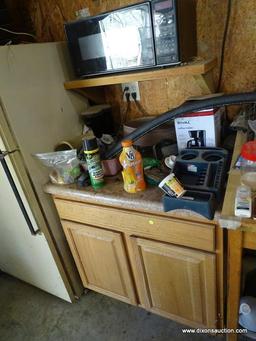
(92, 156)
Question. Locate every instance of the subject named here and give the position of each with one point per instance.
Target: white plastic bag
(64, 164)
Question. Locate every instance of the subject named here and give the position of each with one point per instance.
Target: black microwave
(150, 34)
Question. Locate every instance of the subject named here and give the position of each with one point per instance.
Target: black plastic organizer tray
(202, 173)
(202, 169)
(200, 202)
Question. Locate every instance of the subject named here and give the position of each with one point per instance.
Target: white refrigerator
(35, 114)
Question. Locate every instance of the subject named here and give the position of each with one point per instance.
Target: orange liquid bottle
(131, 161)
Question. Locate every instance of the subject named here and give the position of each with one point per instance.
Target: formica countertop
(113, 194)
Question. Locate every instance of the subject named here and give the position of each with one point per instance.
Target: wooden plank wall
(157, 96)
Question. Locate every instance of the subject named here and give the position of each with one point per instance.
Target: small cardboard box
(199, 129)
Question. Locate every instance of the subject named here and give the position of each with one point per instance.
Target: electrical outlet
(132, 87)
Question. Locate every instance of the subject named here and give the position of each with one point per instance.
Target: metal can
(171, 186)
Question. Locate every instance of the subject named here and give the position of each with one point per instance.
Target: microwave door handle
(16, 192)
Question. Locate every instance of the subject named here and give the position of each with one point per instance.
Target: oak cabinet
(174, 231)
(171, 267)
(101, 260)
(177, 282)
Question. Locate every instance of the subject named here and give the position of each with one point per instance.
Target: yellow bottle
(131, 161)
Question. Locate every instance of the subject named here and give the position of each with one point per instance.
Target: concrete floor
(27, 313)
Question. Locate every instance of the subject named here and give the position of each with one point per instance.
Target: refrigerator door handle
(16, 192)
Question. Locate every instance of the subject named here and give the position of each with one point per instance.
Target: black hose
(189, 106)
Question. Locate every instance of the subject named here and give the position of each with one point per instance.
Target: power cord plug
(125, 91)
(127, 95)
(134, 96)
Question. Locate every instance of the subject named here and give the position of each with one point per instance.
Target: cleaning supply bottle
(92, 156)
(131, 161)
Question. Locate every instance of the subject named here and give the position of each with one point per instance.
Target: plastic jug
(247, 313)
(131, 161)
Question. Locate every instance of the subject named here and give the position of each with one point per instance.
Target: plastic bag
(64, 164)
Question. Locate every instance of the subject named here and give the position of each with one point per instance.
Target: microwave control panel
(165, 31)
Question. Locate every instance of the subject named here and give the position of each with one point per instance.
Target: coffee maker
(99, 119)
(198, 138)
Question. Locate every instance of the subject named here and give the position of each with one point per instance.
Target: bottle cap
(245, 309)
(127, 143)
(90, 144)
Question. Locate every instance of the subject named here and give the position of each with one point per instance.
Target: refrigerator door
(22, 255)
(36, 112)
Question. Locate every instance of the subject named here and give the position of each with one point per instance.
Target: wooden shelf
(196, 68)
(234, 180)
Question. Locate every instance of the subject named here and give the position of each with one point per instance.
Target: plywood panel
(239, 62)
(47, 18)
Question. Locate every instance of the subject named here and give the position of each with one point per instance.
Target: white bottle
(243, 202)
(247, 313)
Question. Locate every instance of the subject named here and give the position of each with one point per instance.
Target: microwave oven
(150, 34)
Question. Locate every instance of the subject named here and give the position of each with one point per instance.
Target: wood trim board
(194, 68)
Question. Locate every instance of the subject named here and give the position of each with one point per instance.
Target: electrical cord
(124, 91)
(125, 113)
(18, 33)
(138, 105)
(223, 45)
(189, 106)
(127, 95)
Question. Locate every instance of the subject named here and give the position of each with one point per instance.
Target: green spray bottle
(92, 156)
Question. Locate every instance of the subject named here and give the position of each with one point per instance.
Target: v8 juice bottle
(131, 161)
(92, 156)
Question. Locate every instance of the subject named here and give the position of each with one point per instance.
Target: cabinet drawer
(195, 235)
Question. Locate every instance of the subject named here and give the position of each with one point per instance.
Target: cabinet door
(101, 260)
(176, 282)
